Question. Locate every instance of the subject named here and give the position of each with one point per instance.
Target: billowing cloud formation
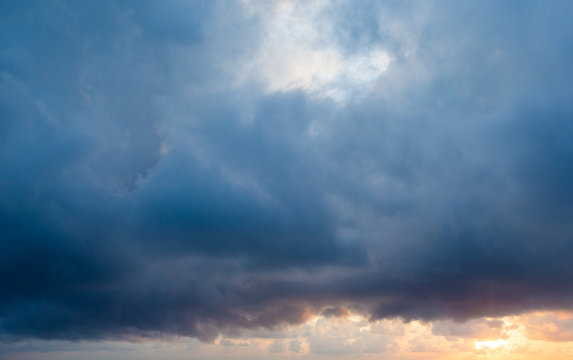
(196, 168)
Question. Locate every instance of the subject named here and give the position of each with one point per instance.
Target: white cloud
(299, 52)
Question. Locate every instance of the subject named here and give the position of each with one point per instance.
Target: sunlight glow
(491, 344)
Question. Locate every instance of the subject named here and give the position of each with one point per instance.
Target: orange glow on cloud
(537, 335)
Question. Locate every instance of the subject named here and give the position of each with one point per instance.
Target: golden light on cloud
(490, 344)
(349, 335)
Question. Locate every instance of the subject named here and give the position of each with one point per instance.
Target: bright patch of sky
(299, 52)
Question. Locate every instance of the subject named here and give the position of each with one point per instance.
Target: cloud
(549, 327)
(277, 347)
(205, 168)
(477, 328)
(300, 51)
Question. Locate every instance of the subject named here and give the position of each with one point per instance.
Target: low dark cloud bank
(148, 187)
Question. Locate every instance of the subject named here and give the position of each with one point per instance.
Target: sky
(259, 179)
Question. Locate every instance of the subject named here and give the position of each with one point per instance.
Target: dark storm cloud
(146, 190)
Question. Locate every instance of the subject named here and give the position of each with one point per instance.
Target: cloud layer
(196, 168)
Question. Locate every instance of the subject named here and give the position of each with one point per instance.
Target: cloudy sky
(258, 179)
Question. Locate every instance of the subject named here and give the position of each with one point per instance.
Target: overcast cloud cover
(204, 167)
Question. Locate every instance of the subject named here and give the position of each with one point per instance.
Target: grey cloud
(295, 346)
(479, 328)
